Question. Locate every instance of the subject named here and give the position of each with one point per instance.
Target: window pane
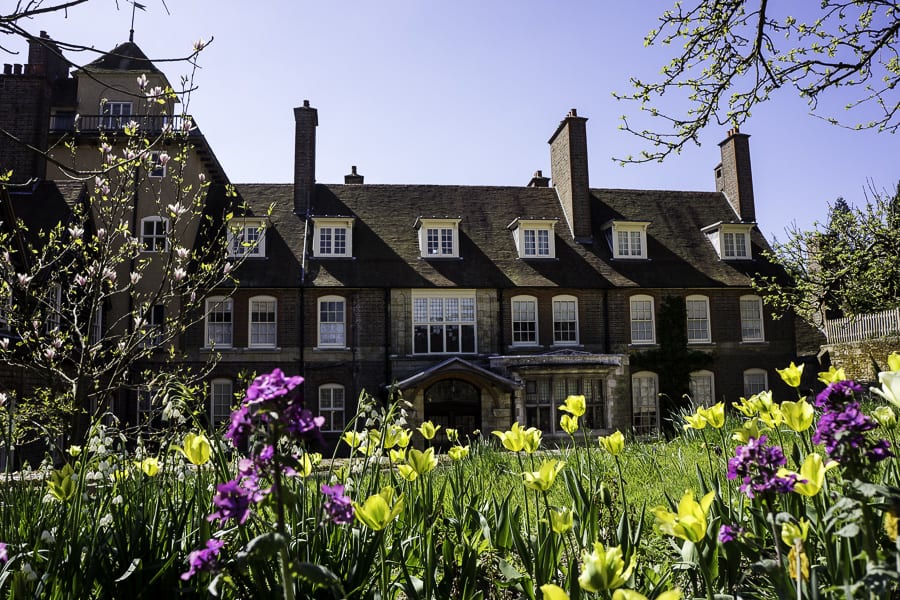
(530, 243)
(702, 389)
(564, 321)
(340, 240)
(697, 322)
(641, 320)
(262, 322)
(751, 319)
(543, 248)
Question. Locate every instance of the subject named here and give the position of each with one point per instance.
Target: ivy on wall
(672, 361)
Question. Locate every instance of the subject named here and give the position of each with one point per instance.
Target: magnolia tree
(734, 54)
(89, 299)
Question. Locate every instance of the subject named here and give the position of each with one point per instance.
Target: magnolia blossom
(76, 232)
(201, 177)
(163, 158)
(50, 353)
(109, 273)
(199, 45)
(182, 252)
(81, 280)
(105, 148)
(4, 343)
(176, 209)
(142, 81)
(179, 273)
(135, 277)
(24, 279)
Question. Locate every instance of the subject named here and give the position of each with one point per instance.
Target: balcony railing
(863, 327)
(61, 123)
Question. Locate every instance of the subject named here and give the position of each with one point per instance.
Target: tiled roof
(125, 57)
(386, 249)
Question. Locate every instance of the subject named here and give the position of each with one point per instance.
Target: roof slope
(124, 57)
(386, 249)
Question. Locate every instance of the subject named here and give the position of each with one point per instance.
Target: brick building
(480, 305)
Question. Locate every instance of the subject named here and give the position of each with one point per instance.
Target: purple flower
(240, 427)
(4, 553)
(232, 501)
(837, 394)
(203, 560)
(728, 533)
(337, 505)
(270, 386)
(302, 423)
(756, 465)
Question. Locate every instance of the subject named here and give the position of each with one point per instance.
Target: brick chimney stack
(734, 177)
(353, 178)
(539, 180)
(569, 169)
(45, 58)
(306, 119)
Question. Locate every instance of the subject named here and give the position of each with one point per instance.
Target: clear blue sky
(463, 92)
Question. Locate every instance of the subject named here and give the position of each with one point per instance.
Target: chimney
(569, 169)
(306, 119)
(45, 58)
(734, 177)
(539, 180)
(353, 178)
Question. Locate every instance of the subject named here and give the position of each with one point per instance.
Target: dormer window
(438, 238)
(731, 240)
(534, 237)
(333, 237)
(246, 237)
(627, 239)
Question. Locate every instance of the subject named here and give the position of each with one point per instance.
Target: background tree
(847, 266)
(738, 53)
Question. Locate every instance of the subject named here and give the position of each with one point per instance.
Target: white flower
(50, 353)
(105, 148)
(28, 572)
(182, 252)
(106, 520)
(76, 231)
(4, 343)
(179, 274)
(135, 277)
(176, 210)
(890, 387)
(142, 81)
(118, 500)
(108, 273)
(24, 279)
(81, 280)
(47, 537)
(163, 158)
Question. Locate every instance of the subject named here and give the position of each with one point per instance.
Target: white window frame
(151, 242)
(543, 394)
(723, 237)
(325, 237)
(53, 309)
(703, 380)
(644, 395)
(115, 115)
(634, 236)
(699, 319)
(158, 170)
(333, 409)
(221, 397)
(436, 231)
(437, 309)
(255, 328)
(156, 326)
(516, 306)
(219, 305)
(523, 229)
(752, 381)
(634, 322)
(241, 239)
(748, 332)
(145, 410)
(327, 339)
(565, 298)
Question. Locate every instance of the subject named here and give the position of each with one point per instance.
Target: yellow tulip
(747, 407)
(562, 520)
(791, 375)
(452, 434)
(397, 455)
(750, 429)
(428, 429)
(695, 421)
(304, 465)
(885, 416)
(458, 452)
(553, 592)
(542, 479)
(690, 521)
(813, 471)
(604, 569)
(531, 439)
(149, 466)
(793, 533)
(613, 443)
(715, 415)
(513, 439)
(407, 472)
(575, 406)
(379, 510)
(798, 415)
(569, 424)
(421, 462)
(196, 448)
(402, 435)
(832, 375)
(353, 439)
(894, 361)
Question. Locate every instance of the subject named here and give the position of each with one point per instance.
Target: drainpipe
(501, 325)
(606, 321)
(387, 337)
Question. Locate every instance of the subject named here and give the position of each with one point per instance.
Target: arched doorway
(454, 403)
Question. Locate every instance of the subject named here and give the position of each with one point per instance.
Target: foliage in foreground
(789, 499)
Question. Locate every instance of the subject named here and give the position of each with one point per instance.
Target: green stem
(622, 486)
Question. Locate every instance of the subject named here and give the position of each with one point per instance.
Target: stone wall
(856, 357)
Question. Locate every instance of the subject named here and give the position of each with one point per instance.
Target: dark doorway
(454, 403)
